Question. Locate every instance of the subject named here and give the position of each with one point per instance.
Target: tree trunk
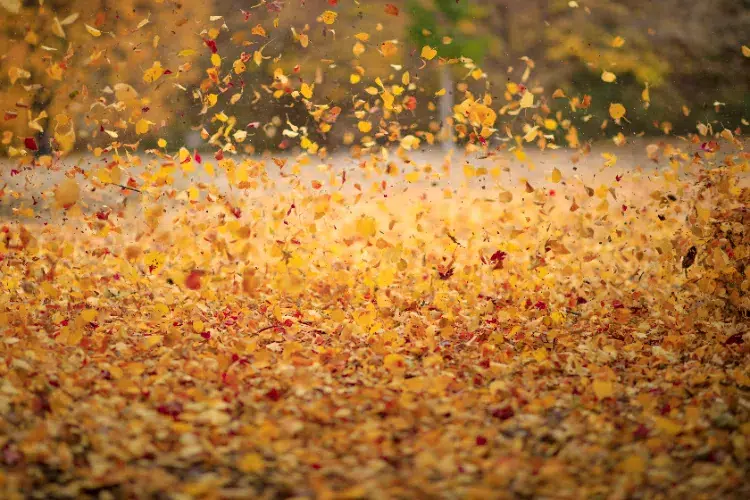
(446, 107)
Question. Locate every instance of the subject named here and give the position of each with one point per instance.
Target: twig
(268, 328)
(125, 187)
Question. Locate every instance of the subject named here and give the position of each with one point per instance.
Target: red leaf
(30, 143)
(411, 103)
(497, 258)
(273, 394)
(211, 44)
(504, 413)
(193, 280)
(391, 9)
(10, 115)
(735, 339)
(641, 432)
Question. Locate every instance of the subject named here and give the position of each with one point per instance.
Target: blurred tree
(451, 27)
(68, 64)
(687, 54)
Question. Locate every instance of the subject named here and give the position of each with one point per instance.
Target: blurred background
(673, 63)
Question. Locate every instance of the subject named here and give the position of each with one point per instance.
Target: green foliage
(432, 20)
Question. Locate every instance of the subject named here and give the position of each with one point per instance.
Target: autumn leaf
(616, 111)
(428, 52)
(329, 17)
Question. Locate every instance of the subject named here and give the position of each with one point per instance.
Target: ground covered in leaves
(424, 343)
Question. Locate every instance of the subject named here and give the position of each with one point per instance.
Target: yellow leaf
(89, 315)
(67, 192)
(151, 341)
(15, 73)
(306, 91)
(603, 389)
(746, 51)
(367, 227)
(556, 175)
(92, 31)
(608, 77)
(364, 127)
(362, 37)
(616, 110)
(634, 464)
(329, 17)
(239, 66)
(618, 42)
(142, 126)
(153, 73)
(258, 30)
(412, 177)
(410, 142)
(73, 337)
(389, 49)
(667, 425)
(394, 363)
(358, 49)
(531, 134)
(527, 100)
(428, 52)
(251, 463)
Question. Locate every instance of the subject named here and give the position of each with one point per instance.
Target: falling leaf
(391, 9)
(556, 175)
(616, 111)
(329, 17)
(388, 49)
(67, 193)
(527, 100)
(142, 126)
(365, 127)
(153, 73)
(428, 52)
(92, 31)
